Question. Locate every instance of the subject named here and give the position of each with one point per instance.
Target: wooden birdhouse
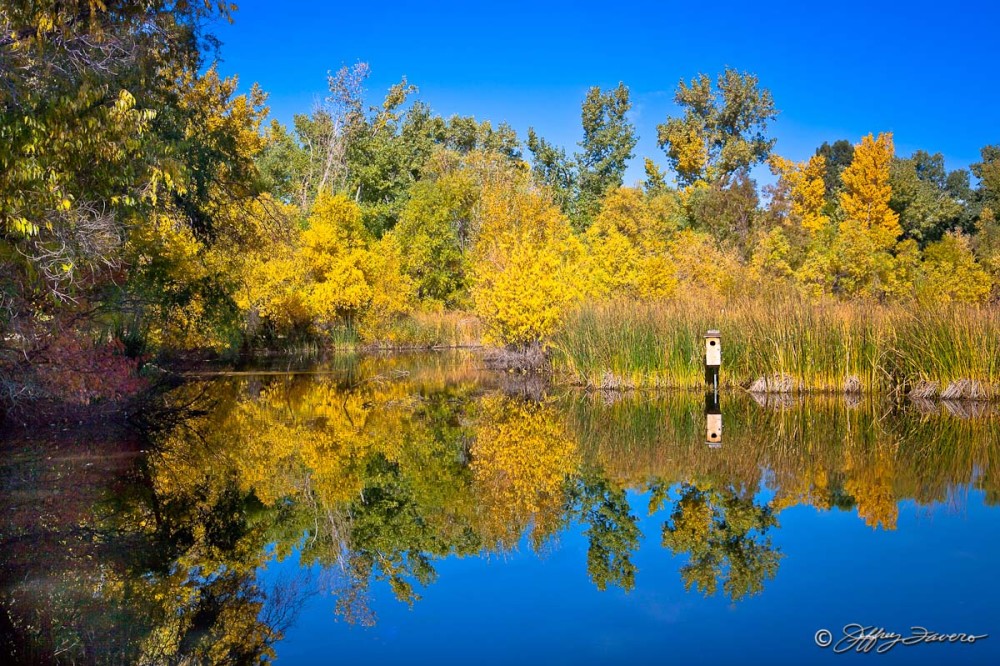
(713, 348)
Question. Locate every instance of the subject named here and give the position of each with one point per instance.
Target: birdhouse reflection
(713, 420)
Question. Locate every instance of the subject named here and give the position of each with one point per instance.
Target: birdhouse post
(713, 359)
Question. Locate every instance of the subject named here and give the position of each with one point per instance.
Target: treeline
(144, 206)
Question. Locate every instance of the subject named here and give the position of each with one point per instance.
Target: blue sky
(925, 71)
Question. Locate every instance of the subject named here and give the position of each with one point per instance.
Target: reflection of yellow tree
(316, 426)
(189, 591)
(808, 485)
(870, 477)
(521, 457)
(374, 475)
(817, 452)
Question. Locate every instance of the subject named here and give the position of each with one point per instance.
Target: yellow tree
(866, 195)
(700, 264)
(863, 260)
(162, 245)
(184, 253)
(526, 261)
(628, 243)
(799, 245)
(952, 273)
(806, 190)
(771, 255)
(258, 254)
(392, 289)
(987, 245)
(353, 277)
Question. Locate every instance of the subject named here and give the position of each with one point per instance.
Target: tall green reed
(824, 346)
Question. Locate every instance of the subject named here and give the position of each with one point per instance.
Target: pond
(417, 508)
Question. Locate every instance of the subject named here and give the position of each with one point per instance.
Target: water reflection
(375, 473)
(723, 531)
(713, 420)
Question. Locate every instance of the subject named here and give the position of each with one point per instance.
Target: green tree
(79, 155)
(283, 166)
(608, 141)
(435, 228)
(727, 209)
(838, 156)
(721, 131)
(921, 197)
(464, 134)
(370, 154)
(111, 121)
(381, 167)
(988, 173)
(552, 168)
(579, 183)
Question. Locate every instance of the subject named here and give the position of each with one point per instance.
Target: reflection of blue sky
(936, 570)
(923, 70)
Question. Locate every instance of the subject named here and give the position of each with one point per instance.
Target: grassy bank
(786, 344)
(774, 343)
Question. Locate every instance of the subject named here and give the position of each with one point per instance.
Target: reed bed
(951, 352)
(785, 344)
(430, 330)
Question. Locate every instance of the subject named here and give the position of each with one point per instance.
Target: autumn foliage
(79, 370)
(140, 192)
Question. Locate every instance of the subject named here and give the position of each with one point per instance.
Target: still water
(419, 509)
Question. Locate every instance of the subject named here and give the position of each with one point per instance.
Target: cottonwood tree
(553, 169)
(837, 157)
(988, 172)
(922, 197)
(579, 183)
(372, 154)
(723, 128)
(608, 141)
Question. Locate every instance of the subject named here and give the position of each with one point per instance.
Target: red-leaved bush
(75, 369)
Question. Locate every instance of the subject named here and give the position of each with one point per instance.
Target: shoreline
(965, 390)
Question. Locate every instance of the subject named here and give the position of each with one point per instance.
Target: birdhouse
(713, 349)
